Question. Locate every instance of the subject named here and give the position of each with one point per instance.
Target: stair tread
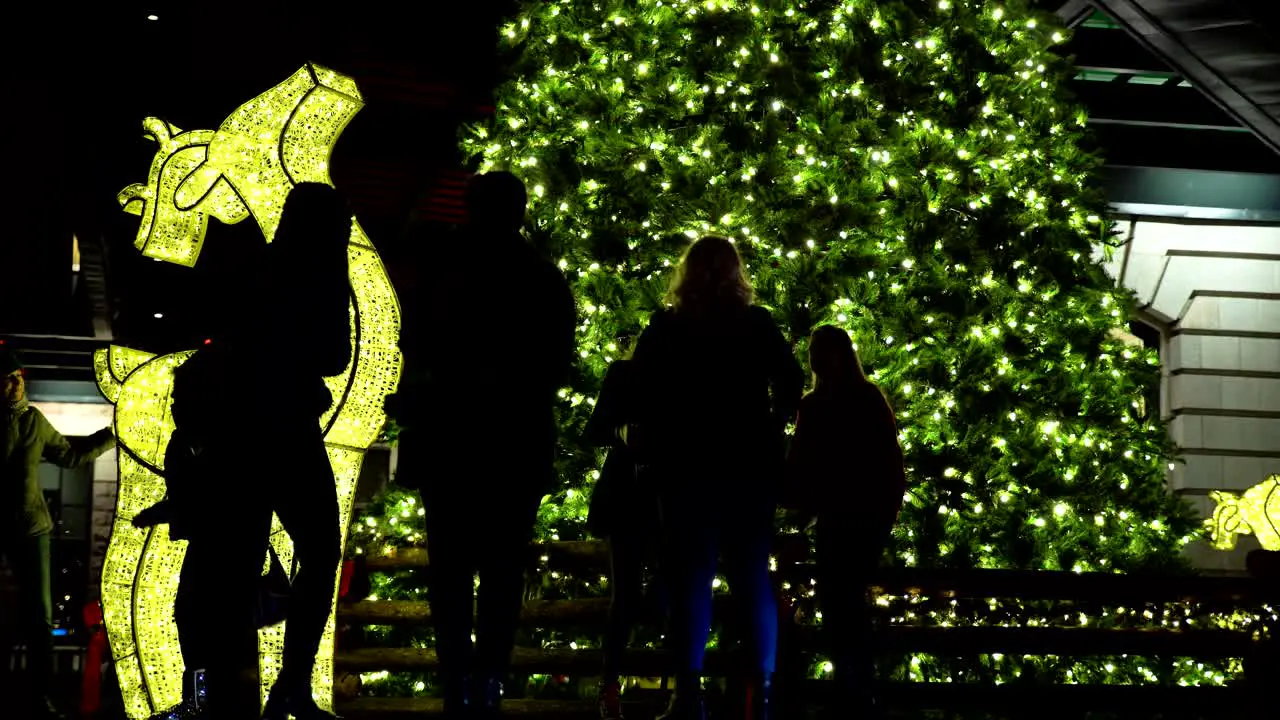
(408, 558)
(642, 662)
(380, 612)
(397, 707)
(900, 700)
(950, 641)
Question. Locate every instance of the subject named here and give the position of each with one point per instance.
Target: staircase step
(535, 612)
(395, 708)
(945, 641)
(578, 552)
(898, 699)
(587, 663)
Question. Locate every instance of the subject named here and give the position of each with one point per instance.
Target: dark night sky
(80, 82)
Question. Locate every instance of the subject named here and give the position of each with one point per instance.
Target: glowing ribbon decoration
(1256, 511)
(245, 168)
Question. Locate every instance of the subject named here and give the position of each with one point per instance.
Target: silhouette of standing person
(625, 512)
(292, 331)
(845, 470)
(207, 492)
(714, 440)
(305, 338)
(26, 439)
(487, 345)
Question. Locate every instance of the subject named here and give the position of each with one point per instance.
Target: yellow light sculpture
(1256, 511)
(245, 168)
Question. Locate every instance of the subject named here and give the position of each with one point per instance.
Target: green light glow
(914, 178)
(911, 172)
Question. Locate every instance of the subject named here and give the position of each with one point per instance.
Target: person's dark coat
(706, 383)
(487, 343)
(204, 428)
(300, 330)
(621, 500)
(845, 458)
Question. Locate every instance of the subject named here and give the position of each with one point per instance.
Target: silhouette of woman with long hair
(845, 469)
(714, 441)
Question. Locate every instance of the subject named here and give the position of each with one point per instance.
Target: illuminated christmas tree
(908, 170)
(911, 171)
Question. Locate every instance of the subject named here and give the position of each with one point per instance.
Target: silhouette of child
(625, 512)
(846, 446)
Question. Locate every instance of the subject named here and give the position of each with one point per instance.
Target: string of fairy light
(537, 118)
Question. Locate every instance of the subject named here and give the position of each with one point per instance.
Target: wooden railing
(1071, 590)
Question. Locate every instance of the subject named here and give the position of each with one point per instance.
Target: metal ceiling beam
(1155, 146)
(1148, 30)
(1151, 105)
(1111, 50)
(1074, 12)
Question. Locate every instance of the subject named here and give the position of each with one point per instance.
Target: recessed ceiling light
(153, 17)
(159, 315)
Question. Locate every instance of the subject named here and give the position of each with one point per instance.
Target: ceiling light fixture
(153, 17)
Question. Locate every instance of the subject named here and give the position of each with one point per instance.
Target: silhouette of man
(487, 344)
(290, 329)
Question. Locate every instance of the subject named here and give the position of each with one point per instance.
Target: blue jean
(699, 527)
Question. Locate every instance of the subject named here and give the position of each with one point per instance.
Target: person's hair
(10, 361)
(497, 200)
(710, 276)
(833, 358)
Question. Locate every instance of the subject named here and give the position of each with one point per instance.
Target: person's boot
(687, 701)
(486, 704)
(852, 699)
(185, 710)
(457, 698)
(292, 698)
(42, 708)
(194, 703)
(609, 700)
(856, 706)
(760, 697)
(36, 692)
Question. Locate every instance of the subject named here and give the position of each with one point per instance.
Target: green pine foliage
(911, 171)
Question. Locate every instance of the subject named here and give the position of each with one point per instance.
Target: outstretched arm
(785, 374)
(801, 460)
(564, 332)
(75, 452)
(887, 495)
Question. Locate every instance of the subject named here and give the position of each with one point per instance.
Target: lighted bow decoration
(1256, 511)
(245, 168)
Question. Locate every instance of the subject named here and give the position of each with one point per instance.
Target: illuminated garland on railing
(378, 535)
